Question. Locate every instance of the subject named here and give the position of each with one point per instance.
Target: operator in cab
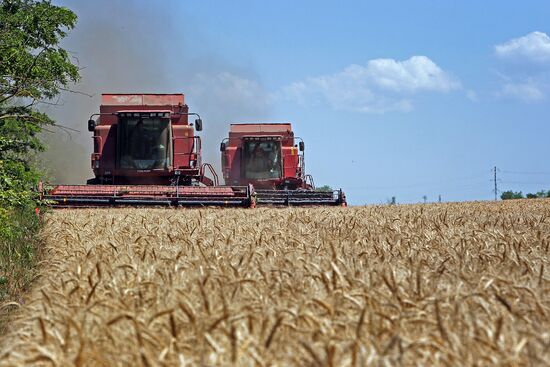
(139, 142)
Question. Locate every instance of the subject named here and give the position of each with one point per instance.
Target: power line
(473, 177)
(469, 183)
(525, 173)
(525, 183)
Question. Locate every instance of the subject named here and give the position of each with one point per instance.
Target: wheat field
(436, 284)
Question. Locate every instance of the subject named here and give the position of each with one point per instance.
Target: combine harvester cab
(146, 153)
(270, 158)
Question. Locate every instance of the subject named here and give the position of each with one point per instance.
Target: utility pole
(495, 181)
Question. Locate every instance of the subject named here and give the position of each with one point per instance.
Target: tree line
(508, 195)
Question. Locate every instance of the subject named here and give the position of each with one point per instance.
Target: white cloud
(379, 86)
(533, 47)
(416, 73)
(526, 91)
(528, 79)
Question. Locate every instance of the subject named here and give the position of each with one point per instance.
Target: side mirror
(302, 146)
(222, 147)
(91, 125)
(198, 124)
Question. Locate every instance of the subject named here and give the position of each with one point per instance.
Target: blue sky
(392, 98)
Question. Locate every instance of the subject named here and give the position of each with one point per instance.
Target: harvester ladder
(212, 171)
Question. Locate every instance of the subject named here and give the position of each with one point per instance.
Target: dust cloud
(156, 53)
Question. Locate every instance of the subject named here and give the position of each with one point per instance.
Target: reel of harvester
(74, 196)
(300, 197)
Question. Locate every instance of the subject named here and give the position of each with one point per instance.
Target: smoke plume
(134, 47)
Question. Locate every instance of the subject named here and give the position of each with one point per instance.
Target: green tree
(543, 194)
(508, 195)
(540, 194)
(325, 188)
(34, 69)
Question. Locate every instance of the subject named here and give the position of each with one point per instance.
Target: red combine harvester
(270, 158)
(146, 153)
